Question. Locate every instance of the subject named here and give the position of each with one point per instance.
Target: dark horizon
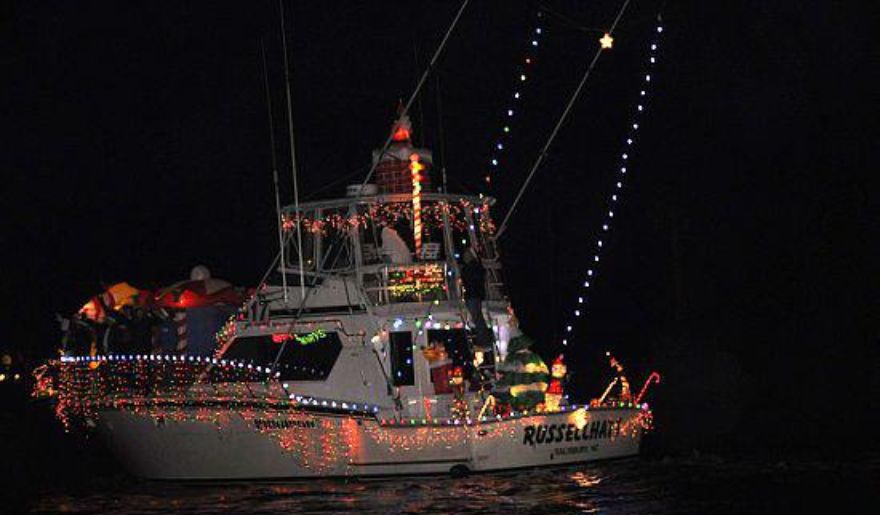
(740, 265)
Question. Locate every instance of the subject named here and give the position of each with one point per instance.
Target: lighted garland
(169, 386)
(416, 281)
(522, 75)
(614, 199)
(460, 215)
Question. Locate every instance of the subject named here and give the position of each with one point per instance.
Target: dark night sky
(742, 264)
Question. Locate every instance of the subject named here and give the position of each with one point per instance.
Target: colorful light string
(614, 197)
(509, 112)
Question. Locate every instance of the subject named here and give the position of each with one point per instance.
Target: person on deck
(473, 278)
(394, 248)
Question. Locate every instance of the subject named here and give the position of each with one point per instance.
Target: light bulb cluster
(614, 198)
(170, 358)
(513, 415)
(522, 76)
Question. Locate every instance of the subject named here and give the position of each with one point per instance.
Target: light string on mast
(639, 108)
(514, 100)
(605, 44)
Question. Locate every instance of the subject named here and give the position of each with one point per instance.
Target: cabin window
(402, 370)
(305, 356)
(257, 350)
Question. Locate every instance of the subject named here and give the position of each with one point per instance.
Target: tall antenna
(440, 139)
(274, 168)
(302, 282)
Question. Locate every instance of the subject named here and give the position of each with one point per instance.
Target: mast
(302, 282)
(274, 168)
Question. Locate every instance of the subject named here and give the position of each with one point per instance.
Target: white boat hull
(221, 444)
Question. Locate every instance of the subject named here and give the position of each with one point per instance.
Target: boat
(357, 356)
(380, 342)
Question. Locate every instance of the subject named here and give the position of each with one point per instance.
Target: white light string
(523, 70)
(614, 198)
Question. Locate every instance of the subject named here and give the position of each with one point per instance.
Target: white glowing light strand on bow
(522, 76)
(614, 199)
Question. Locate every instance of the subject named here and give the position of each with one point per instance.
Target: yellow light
(415, 167)
(606, 41)
(2, 377)
(578, 417)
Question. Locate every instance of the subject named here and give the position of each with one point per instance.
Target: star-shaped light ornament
(606, 41)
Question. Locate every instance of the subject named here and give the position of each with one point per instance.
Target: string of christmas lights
(614, 198)
(525, 67)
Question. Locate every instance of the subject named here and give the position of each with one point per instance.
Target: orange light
(401, 134)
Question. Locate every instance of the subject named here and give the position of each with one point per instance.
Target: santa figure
(555, 392)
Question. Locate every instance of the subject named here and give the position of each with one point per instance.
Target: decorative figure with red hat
(556, 390)
(459, 405)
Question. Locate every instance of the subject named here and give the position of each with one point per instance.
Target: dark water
(636, 486)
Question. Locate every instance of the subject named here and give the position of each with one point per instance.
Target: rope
(562, 118)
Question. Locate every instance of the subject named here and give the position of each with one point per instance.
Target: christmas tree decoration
(606, 41)
(523, 374)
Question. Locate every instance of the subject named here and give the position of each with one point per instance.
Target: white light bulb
(538, 30)
(605, 227)
(653, 60)
(622, 169)
(596, 259)
(534, 42)
(516, 95)
(564, 341)
(647, 78)
(659, 29)
(510, 112)
(642, 92)
(577, 312)
(613, 199)
(640, 107)
(599, 243)
(590, 272)
(654, 47)
(629, 141)
(568, 328)
(499, 147)
(636, 126)
(580, 300)
(619, 185)
(625, 157)
(494, 162)
(522, 77)
(610, 214)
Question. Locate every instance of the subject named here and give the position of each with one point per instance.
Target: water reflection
(628, 487)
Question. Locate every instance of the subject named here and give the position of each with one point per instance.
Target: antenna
(274, 168)
(302, 282)
(440, 140)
